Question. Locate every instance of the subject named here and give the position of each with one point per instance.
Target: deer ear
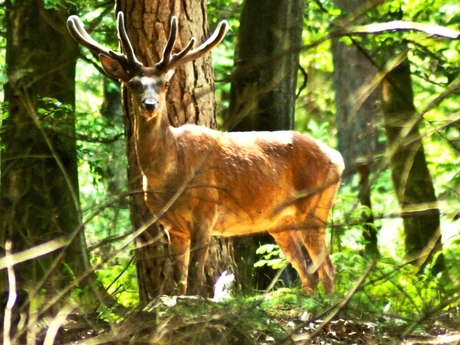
(113, 68)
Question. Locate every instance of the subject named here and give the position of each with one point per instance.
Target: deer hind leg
(180, 257)
(291, 244)
(314, 240)
(313, 234)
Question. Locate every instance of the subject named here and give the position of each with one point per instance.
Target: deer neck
(155, 144)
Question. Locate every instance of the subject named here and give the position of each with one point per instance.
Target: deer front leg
(180, 258)
(201, 241)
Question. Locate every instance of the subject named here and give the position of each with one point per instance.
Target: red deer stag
(223, 184)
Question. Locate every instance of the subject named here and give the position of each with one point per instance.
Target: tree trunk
(357, 114)
(409, 171)
(364, 196)
(39, 181)
(190, 99)
(262, 95)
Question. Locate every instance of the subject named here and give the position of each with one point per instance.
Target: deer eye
(166, 84)
(135, 85)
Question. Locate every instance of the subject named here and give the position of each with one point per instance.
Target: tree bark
(409, 171)
(39, 181)
(190, 99)
(262, 95)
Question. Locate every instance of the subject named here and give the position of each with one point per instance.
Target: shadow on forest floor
(276, 318)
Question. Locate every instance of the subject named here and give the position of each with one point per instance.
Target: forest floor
(267, 319)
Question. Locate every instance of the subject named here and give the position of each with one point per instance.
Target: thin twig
(11, 295)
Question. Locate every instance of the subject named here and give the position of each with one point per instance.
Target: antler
(78, 32)
(129, 60)
(125, 42)
(170, 61)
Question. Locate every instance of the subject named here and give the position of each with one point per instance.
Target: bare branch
(401, 25)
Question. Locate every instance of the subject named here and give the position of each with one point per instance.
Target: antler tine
(170, 61)
(187, 54)
(165, 60)
(125, 42)
(78, 32)
(184, 52)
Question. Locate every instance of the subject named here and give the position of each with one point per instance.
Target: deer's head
(147, 85)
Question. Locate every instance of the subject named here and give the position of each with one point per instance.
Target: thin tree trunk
(190, 99)
(262, 95)
(39, 181)
(409, 171)
(364, 196)
(357, 115)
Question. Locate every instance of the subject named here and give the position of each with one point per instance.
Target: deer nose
(150, 105)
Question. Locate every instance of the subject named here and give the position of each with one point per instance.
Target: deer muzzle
(150, 105)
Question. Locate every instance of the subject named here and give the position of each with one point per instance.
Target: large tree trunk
(190, 100)
(262, 94)
(357, 115)
(409, 171)
(39, 181)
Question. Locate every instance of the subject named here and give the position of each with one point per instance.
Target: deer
(201, 182)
